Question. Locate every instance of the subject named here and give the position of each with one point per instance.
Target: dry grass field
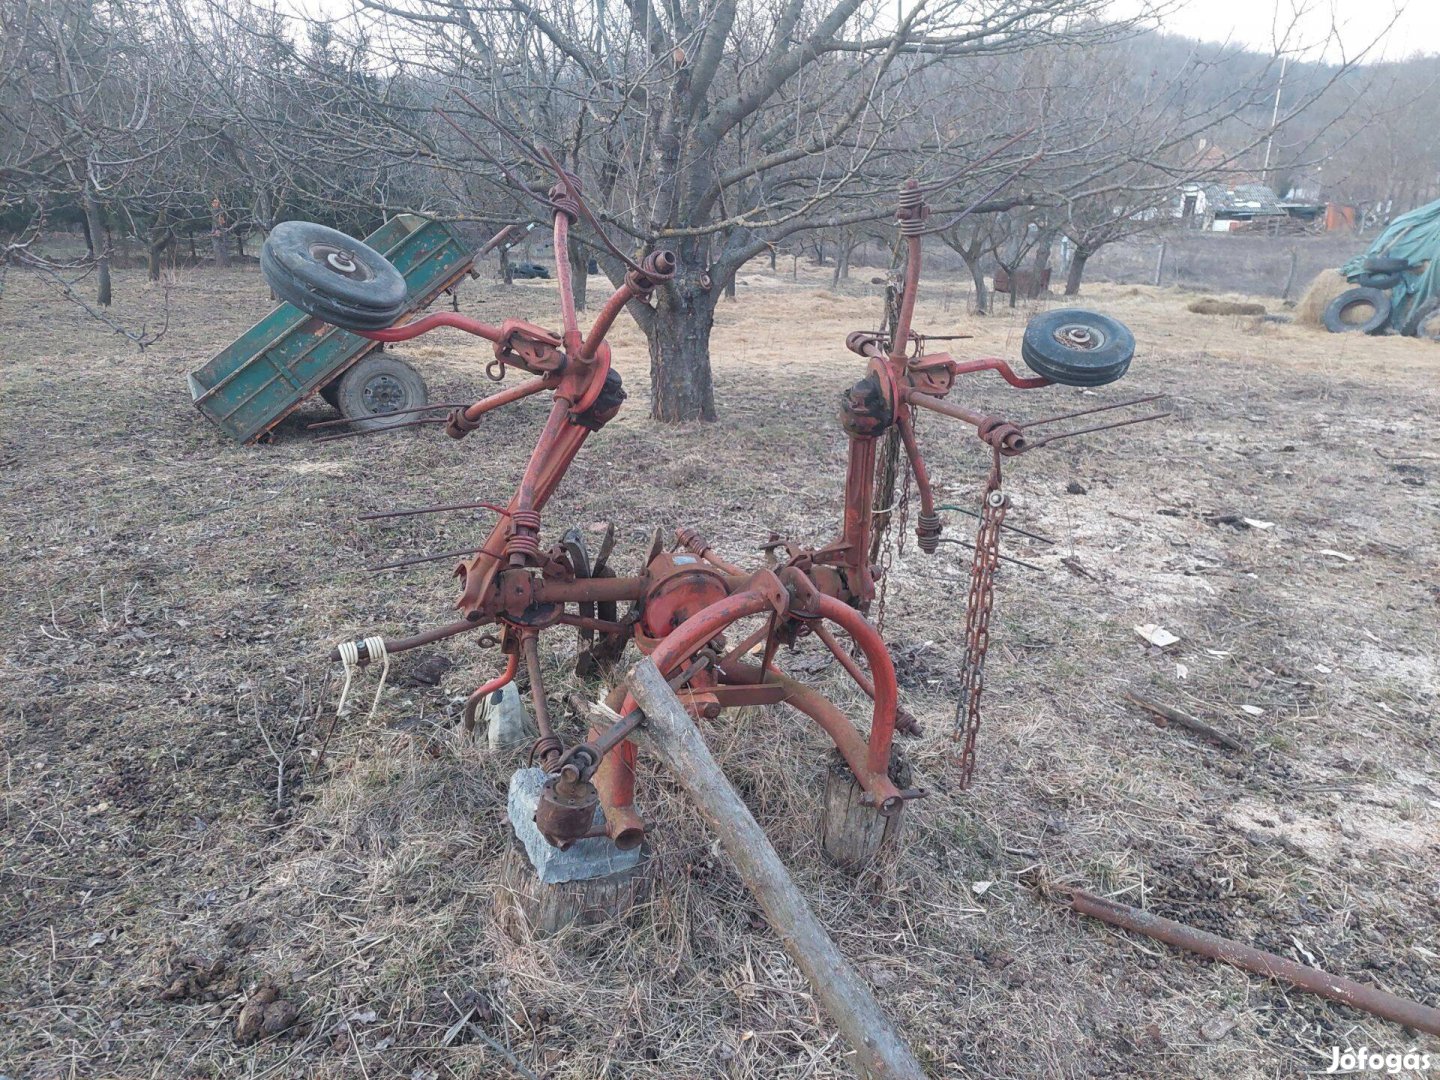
(172, 841)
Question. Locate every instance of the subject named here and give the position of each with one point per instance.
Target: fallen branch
(1370, 999)
(670, 732)
(1167, 716)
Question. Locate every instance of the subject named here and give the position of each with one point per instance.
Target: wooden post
(548, 909)
(854, 835)
(1290, 275)
(1160, 263)
(881, 1053)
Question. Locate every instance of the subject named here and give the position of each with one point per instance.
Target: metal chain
(977, 620)
(896, 522)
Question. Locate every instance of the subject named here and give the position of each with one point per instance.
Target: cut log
(852, 835)
(523, 901)
(880, 1052)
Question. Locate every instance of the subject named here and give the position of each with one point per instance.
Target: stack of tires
(1367, 308)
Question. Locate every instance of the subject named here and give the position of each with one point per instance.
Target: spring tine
(398, 412)
(423, 559)
(607, 545)
(381, 430)
(1098, 427)
(1003, 525)
(1007, 558)
(1086, 412)
(433, 510)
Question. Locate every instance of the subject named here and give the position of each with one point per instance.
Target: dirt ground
(173, 840)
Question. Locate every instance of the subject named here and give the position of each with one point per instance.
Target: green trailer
(266, 373)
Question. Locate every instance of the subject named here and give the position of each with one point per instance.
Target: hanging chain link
(977, 619)
(897, 521)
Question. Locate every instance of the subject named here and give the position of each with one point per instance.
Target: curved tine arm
(505, 397)
(504, 678)
(563, 282)
(965, 367)
(608, 314)
(431, 322)
(917, 463)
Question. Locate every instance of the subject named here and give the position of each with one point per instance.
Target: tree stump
(524, 901)
(852, 835)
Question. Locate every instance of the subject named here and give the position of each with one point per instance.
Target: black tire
(1372, 280)
(378, 384)
(1424, 321)
(333, 277)
(1385, 264)
(1340, 317)
(1077, 347)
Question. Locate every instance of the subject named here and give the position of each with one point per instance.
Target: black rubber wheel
(1372, 280)
(1424, 321)
(1346, 312)
(377, 385)
(332, 276)
(1385, 264)
(1077, 347)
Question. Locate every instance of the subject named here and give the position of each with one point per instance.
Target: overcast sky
(1254, 23)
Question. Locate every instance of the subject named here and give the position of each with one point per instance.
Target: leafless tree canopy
(721, 129)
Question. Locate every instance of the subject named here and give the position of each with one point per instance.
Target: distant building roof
(1243, 200)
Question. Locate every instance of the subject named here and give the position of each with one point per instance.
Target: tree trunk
(679, 336)
(506, 274)
(1077, 271)
(99, 250)
(579, 276)
(982, 297)
(161, 237)
(219, 236)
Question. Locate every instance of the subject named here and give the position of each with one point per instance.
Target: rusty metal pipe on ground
(1411, 1014)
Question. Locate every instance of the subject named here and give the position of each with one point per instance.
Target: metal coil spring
(656, 267)
(565, 197)
(927, 532)
(524, 536)
(546, 747)
(911, 213)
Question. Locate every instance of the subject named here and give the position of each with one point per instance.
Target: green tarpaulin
(1414, 237)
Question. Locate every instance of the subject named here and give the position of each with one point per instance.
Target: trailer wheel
(333, 277)
(1366, 310)
(1077, 347)
(378, 385)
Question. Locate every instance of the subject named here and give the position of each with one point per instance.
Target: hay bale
(1213, 305)
(1327, 285)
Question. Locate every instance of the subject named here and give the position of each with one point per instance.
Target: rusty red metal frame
(688, 598)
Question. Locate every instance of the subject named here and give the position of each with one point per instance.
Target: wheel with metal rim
(1362, 309)
(596, 650)
(375, 387)
(333, 277)
(1077, 347)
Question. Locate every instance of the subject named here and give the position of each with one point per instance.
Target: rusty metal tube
(833, 722)
(608, 314)
(882, 673)
(505, 397)
(1369, 999)
(614, 781)
(596, 589)
(503, 679)
(430, 322)
(548, 745)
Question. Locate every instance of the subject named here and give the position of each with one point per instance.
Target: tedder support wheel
(332, 276)
(378, 384)
(1362, 309)
(1077, 347)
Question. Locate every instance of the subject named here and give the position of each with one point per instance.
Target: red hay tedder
(682, 605)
